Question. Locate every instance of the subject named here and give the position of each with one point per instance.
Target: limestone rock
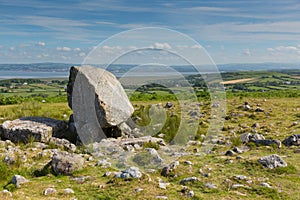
(66, 163)
(272, 161)
(98, 101)
(189, 179)
(292, 140)
(18, 180)
(49, 191)
(41, 129)
(63, 143)
(131, 172)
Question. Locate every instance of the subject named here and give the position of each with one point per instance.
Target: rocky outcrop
(272, 161)
(98, 101)
(39, 129)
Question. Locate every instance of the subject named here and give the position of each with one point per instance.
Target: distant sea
(30, 74)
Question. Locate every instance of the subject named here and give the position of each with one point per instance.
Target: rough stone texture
(167, 170)
(39, 128)
(18, 180)
(99, 99)
(292, 140)
(49, 191)
(63, 143)
(189, 179)
(66, 163)
(268, 142)
(272, 161)
(131, 172)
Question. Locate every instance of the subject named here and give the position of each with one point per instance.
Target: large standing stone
(98, 101)
(41, 129)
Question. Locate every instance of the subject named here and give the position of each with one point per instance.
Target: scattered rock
(187, 162)
(210, 186)
(161, 197)
(49, 191)
(234, 186)
(268, 142)
(138, 190)
(131, 172)
(258, 109)
(187, 180)
(18, 180)
(103, 163)
(229, 153)
(240, 177)
(63, 143)
(40, 129)
(265, 185)
(272, 161)
(80, 179)
(162, 184)
(66, 163)
(109, 101)
(237, 150)
(167, 170)
(68, 191)
(6, 193)
(292, 140)
(169, 105)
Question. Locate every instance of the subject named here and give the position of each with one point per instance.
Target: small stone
(103, 163)
(68, 191)
(131, 172)
(187, 162)
(240, 177)
(49, 191)
(234, 186)
(263, 184)
(237, 150)
(18, 180)
(229, 153)
(107, 174)
(6, 193)
(138, 190)
(162, 184)
(189, 179)
(210, 186)
(161, 197)
(190, 193)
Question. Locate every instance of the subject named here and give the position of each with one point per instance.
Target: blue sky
(231, 31)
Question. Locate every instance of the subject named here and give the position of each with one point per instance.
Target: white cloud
(196, 46)
(158, 45)
(82, 54)
(63, 49)
(40, 43)
(247, 52)
(209, 9)
(11, 48)
(77, 49)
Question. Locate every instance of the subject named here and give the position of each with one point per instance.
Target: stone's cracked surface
(41, 129)
(98, 101)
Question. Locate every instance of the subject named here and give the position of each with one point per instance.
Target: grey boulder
(40, 129)
(66, 163)
(272, 161)
(98, 101)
